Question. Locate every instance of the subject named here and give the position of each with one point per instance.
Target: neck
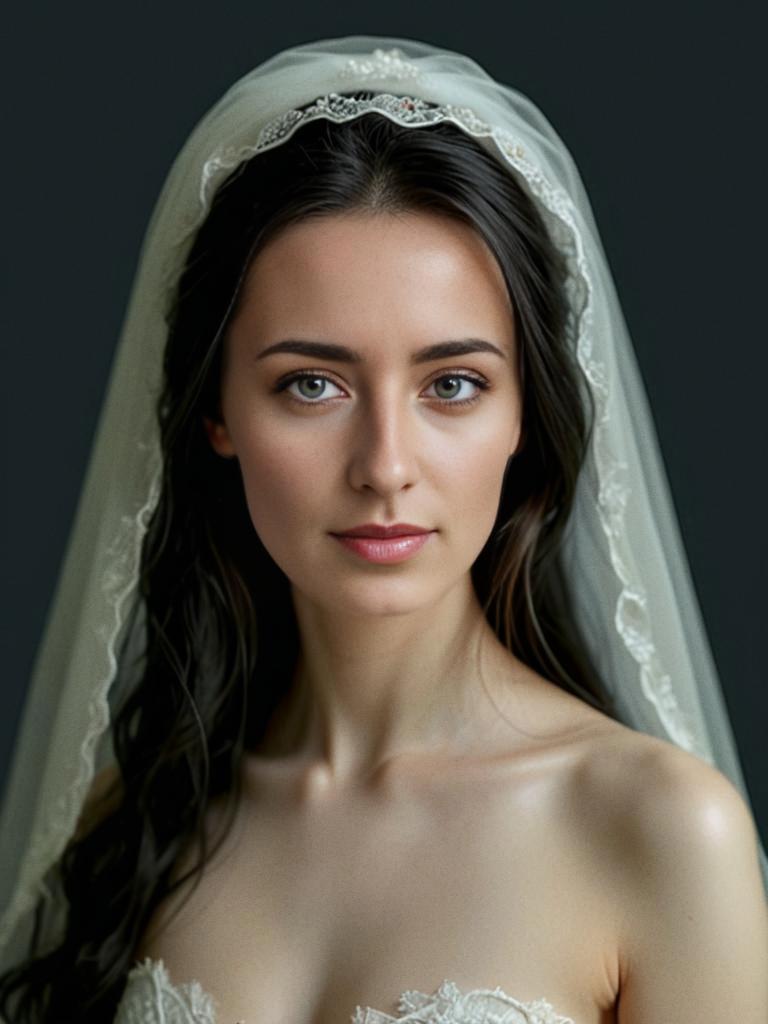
(367, 690)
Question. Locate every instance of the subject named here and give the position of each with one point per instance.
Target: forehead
(356, 276)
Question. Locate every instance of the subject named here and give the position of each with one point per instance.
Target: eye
(312, 386)
(451, 381)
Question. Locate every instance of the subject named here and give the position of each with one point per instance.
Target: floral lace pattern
(450, 1005)
(150, 998)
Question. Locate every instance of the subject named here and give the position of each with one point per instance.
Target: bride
(388, 697)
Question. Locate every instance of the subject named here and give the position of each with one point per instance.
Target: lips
(383, 532)
(397, 547)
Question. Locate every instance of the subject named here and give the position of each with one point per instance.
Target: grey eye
(450, 387)
(453, 386)
(312, 386)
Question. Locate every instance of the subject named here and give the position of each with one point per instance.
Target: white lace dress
(150, 998)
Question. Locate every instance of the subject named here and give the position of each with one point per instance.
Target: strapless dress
(150, 998)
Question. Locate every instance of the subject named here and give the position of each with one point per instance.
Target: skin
(426, 806)
(380, 446)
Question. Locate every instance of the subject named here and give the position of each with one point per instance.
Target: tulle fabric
(633, 595)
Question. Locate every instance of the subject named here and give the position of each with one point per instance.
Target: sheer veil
(623, 556)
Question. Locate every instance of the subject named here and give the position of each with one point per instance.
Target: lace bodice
(150, 998)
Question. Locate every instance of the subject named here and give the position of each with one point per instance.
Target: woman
(381, 598)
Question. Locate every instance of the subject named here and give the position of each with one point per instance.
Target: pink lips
(384, 544)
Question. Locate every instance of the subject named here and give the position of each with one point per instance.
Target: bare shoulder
(665, 801)
(690, 820)
(680, 840)
(663, 797)
(686, 844)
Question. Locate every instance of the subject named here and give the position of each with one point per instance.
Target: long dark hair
(220, 634)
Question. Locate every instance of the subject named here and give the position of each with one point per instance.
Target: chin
(371, 598)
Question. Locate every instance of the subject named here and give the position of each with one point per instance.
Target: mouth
(383, 532)
(384, 550)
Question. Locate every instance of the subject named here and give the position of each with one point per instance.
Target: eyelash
(481, 383)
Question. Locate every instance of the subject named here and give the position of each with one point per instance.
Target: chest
(301, 917)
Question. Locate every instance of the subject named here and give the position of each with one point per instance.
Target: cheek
(472, 469)
(282, 485)
(479, 492)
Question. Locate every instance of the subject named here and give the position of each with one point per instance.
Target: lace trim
(449, 1005)
(151, 996)
(120, 572)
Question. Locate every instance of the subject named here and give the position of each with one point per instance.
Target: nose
(384, 446)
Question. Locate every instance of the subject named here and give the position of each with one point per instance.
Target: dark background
(660, 107)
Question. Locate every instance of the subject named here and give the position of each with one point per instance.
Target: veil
(624, 562)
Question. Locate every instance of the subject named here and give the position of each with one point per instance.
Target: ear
(219, 437)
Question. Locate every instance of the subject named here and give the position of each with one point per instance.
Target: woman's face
(360, 423)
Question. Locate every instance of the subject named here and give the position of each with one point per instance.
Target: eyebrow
(342, 354)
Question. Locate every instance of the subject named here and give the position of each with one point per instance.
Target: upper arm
(694, 943)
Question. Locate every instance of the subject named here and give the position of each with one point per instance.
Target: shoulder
(677, 846)
(664, 802)
(684, 848)
(670, 801)
(692, 827)
(655, 799)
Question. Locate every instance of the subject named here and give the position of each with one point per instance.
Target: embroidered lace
(151, 998)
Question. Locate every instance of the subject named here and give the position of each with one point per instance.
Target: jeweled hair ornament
(623, 557)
